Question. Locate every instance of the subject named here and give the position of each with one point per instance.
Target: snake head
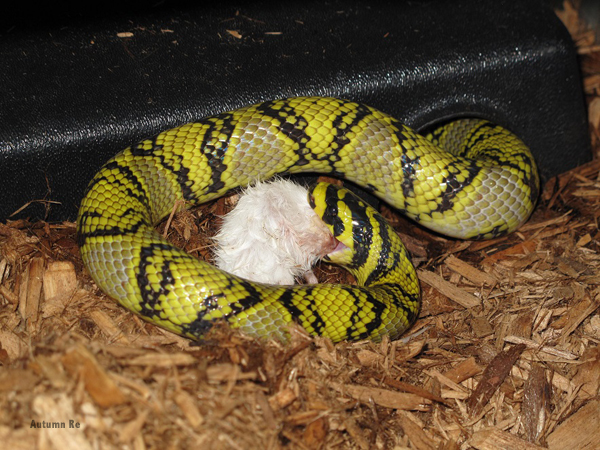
(367, 245)
(345, 215)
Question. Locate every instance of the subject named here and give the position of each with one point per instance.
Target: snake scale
(466, 179)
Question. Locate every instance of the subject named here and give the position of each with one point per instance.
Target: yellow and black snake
(487, 186)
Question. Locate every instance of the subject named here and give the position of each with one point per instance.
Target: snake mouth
(339, 247)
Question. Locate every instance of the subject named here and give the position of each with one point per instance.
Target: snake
(467, 178)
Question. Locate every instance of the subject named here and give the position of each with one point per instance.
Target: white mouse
(272, 235)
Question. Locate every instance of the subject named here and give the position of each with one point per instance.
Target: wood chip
(282, 399)
(356, 432)
(51, 369)
(450, 290)
(415, 433)
(189, 408)
(9, 295)
(384, 397)
(541, 348)
(219, 373)
(30, 293)
(130, 430)
(492, 438)
(588, 373)
(80, 362)
(591, 84)
(536, 404)
(406, 387)
(60, 282)
(162, 360)
(315, 433)
(493, 376)
(578, 313)
(463, 371)
(471, 273)
(369, 358)
(15, 380)
(578, 432)
(522, 248)
(481, 326)
(12, 345)
(302, 418)
(138, 386)
(234, 33)
(408, 351)
(446, 381)
(108, 326)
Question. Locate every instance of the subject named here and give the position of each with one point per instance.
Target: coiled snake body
(486, 187)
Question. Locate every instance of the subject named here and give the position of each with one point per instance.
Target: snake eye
(311, 200)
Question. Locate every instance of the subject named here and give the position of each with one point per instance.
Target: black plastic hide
(76, 89)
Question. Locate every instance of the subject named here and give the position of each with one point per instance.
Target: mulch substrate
(504, 355)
